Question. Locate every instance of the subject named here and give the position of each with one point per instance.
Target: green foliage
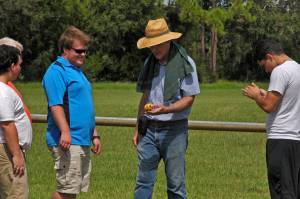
(271, 21)
(209, 18)
(115, 26)
(215, 17)
(37, 24)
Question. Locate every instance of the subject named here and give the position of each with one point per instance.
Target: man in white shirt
(15, 129)
(282, 103)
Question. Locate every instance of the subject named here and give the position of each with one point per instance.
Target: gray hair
(11, 42)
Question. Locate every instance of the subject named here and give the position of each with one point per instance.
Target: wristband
(96, 137)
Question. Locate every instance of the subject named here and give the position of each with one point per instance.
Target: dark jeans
(283, 162)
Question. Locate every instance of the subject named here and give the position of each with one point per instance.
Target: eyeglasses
(79, 51)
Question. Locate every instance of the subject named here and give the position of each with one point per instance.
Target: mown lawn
(220, 165)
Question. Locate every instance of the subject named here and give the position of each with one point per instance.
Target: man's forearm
(260, 102)
(181, 104)
(141, 110)
(268, 102)
(60, 118)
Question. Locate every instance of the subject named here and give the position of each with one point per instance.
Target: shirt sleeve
(55, 86)
(278, 81)
(190, 84)
(6, 109)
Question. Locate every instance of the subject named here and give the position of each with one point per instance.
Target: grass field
(220, 165)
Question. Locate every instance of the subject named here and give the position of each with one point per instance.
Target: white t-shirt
(12, 109)
(284, 123)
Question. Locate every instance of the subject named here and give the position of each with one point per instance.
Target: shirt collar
(66, 62)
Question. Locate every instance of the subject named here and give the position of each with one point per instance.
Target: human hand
(252, 91)
(65, 140)
(18, 164)
(97, 146)
(157, 109)
(135, 138)
(261, 91)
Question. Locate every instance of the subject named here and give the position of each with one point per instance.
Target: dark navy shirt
(67, 86)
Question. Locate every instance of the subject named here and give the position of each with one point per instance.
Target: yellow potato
(148, 107)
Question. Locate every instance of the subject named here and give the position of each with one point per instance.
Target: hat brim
(148, 42)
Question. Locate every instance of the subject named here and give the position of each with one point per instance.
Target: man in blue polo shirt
(71, 118)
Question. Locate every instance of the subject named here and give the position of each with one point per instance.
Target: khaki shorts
(73, 169)
(10, 185)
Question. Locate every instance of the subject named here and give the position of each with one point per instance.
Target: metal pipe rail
(193, 125)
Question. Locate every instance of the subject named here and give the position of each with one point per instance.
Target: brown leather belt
(157, 123)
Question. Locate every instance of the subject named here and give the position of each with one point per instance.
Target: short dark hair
(8, 55)
(265, 46)
(68, 37)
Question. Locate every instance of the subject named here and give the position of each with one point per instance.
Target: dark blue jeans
(168, 143)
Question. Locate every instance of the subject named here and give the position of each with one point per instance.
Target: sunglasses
(79, 51)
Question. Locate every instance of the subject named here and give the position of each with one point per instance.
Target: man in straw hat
(169, 84)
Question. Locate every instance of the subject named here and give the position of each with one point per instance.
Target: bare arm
(61, 121)
(12, 141)
(178, 106)
(267, 101)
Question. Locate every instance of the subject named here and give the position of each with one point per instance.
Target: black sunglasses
(79, 51)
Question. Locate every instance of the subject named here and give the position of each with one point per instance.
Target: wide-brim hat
(157, 32)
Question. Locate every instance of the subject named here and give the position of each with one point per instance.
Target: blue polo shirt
(67, 86)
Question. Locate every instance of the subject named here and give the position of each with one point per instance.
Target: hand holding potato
(148, 107)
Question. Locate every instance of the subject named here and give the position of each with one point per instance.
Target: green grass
(220, 165)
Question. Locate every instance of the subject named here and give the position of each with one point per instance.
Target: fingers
(19, 168)
(18, 164)
(64, 144)
(19, 171)
(96, 149)
(253, 84)
(156, 111)
(99, 150)
(135, 140)
(246, 91)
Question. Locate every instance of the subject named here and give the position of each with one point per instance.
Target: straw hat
(157, 32)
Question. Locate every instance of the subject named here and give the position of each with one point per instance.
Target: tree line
(218, 34)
